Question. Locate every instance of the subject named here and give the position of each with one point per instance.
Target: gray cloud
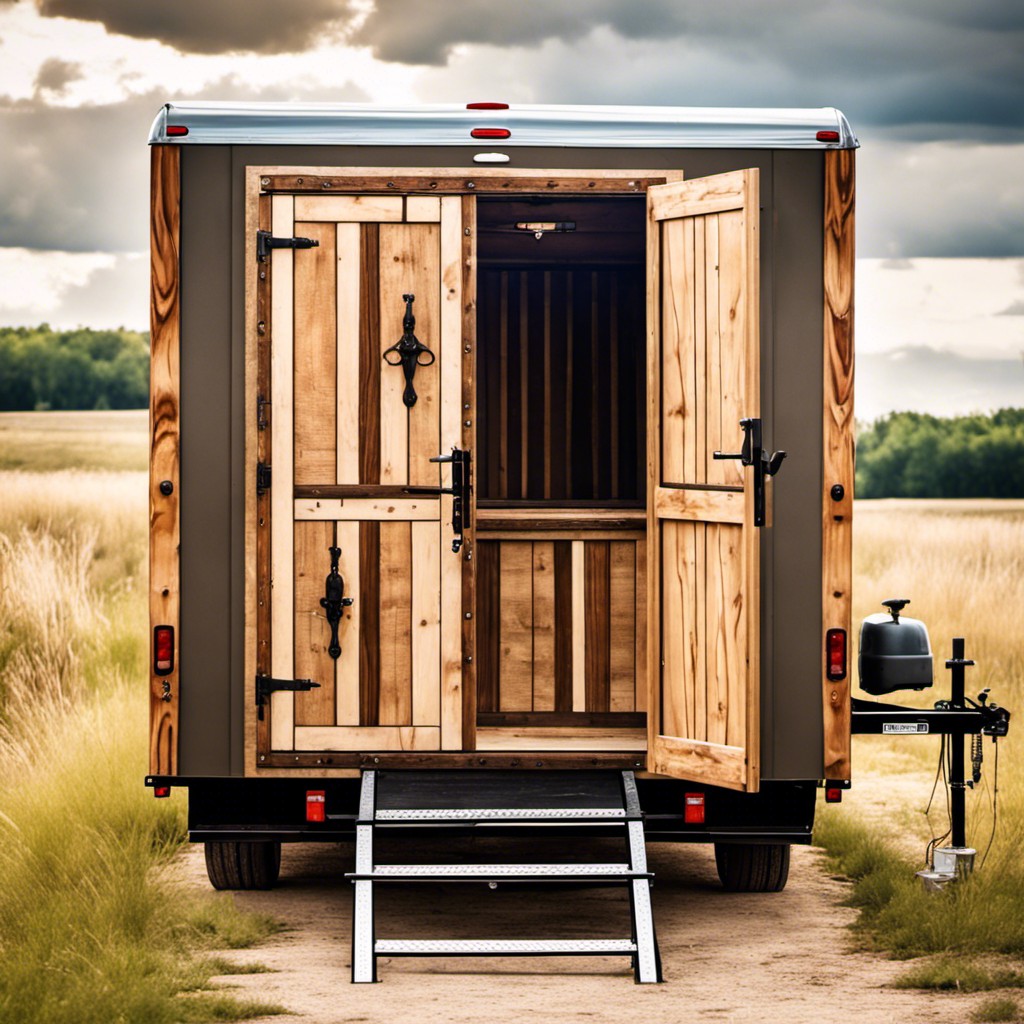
(1013, 309)
(212, 26)
(55, 75)
(77, 179)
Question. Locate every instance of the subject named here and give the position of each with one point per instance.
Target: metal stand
(599, 799)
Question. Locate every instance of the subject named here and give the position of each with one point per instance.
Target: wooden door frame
(261, 183)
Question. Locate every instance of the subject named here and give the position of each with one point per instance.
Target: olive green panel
(213, 415)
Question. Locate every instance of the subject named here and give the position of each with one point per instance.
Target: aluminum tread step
(487, 872)
(446, 814)
(504, 947)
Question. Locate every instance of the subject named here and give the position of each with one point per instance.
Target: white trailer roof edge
(339, 124)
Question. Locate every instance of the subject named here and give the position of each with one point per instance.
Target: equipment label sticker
(904, 728)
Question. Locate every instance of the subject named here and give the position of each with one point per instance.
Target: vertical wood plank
(369, 354)
(315, 365)
(451, 434)
(395, 623)
(622, 624)
(548, 411)
(680, 574)
(598, 626)
(702, 405)
(640, 670)
(678, 440)
(425, 415)
(569, 338)
(347, 671)
(837, 438)
(596, 456)
(347, 345)
(543, 626)
(164, 440)
(524, 383)
(426, 623)
(720, 434)
(559, 441)
(563, 625)
(488, 624)
(732, 317)
(727, 637)
(312, 632)
(369, 623)
(282, 616)
(470, 377)
(613, 405)
(515, 687)
(503, 386)
(579, 634)
(653, 476)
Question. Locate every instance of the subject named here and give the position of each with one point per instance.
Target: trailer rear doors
(703, 378)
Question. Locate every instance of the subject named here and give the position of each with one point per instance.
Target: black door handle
(753, 454)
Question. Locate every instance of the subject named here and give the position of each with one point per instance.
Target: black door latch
(334, 601)
(753, 454)
(265, 241)
(266, 685)
(461, 463)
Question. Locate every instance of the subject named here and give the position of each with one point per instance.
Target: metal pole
(957, 785)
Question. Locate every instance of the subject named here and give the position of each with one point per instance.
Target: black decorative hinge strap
(266, 685)
(265, 241)
(263, 477)
(408, 352)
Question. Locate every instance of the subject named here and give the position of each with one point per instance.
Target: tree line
(41, 368)
(913, 455)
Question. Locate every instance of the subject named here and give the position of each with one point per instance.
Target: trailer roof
(340, 124)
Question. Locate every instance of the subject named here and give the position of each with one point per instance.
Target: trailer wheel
(243, 865)
(753, 867)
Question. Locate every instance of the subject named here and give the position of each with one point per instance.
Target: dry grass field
(93, 929)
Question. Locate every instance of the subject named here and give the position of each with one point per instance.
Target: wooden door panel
(703, 354)
(339, 430)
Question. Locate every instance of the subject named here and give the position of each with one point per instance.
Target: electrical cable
(995, 803)
(940, 771)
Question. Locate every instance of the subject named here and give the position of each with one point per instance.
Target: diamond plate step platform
(411, 800)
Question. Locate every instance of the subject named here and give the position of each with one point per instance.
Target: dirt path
(727, 958)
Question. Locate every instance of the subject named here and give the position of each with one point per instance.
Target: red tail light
(487, 106)
(835, 648)
(161, 791)
(315, 805)
(833, 795)
(163, 650)
(177, 129)
(490, 133)
(693, 809)
(827, 136)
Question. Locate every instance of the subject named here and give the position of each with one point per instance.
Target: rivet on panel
(468, 615)
(264, 181)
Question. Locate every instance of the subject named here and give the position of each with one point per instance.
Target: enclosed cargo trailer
(462, 430)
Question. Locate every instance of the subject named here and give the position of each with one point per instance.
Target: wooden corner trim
(164, 460)
(838, 450)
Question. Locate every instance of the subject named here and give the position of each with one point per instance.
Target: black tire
(753, 867)
(243, 865)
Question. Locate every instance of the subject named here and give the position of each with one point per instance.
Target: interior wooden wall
(561, 627)
(561, 392)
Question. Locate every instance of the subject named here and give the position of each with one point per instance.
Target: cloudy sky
(933, 88)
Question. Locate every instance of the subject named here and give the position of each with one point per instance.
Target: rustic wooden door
(703, 378)
(349, 450)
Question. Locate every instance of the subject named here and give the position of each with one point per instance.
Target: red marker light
(487, 106)
(693, 808)
(833, 795)
(163, 650)
(827, 136)
(490, 133)
(177, 129)
(315, 805)
(835, 653)
(161, 791)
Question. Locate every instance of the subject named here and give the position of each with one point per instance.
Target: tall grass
(92, 926)
(962, 566)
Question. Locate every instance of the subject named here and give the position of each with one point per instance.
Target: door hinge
(261, 412)
(262, 478)
(265, 241)
(266, 685)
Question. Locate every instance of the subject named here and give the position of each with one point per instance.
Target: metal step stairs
(418, 799)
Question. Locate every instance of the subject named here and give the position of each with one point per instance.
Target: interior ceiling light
(541, 227)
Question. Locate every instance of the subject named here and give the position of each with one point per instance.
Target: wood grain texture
(640, 651)
(597, 606)
(282, 455)
(543, 626)
(312, 632)
(426, 623)
(348, 286)
(424, 209)
(455, 182)
(700, 505)
(515, 688)
(838, 441)
(315, 359)
(395, 623)
(450, 213)
(579, 625)
(488, 625)
(348, 209)
(470, 378)
(164, 441)
(563, 626)
(369, 623)
(347, 687)
(384, 509)
(381, 738)
(622, 625)
(369, 355)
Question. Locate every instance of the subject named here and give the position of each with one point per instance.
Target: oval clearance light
(487, 106)
(490, 133)
(835, 653)
(491, 158)
(827, 136)
(177, 129)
